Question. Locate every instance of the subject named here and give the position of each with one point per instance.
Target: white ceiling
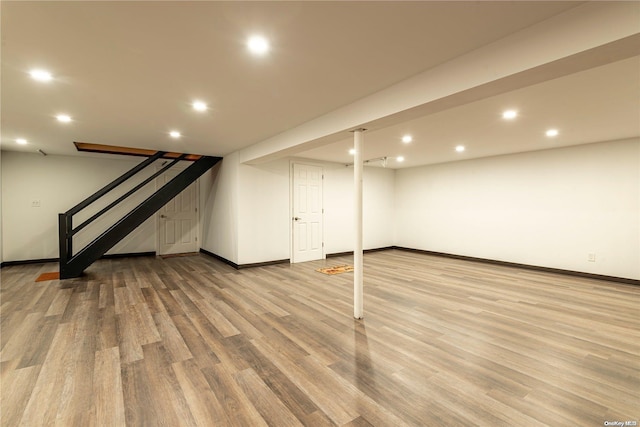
(599, 104)
(127, 72)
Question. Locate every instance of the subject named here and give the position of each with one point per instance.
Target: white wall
(378, 212)
(264, 213)
(253, 201)
(219, 195)
(59, 183)
(547, 208)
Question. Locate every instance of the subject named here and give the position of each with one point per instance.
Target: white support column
(358, 310)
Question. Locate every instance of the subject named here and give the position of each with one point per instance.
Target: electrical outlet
(591, 257)
(35, 203)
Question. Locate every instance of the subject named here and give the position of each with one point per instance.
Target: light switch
(35, 203)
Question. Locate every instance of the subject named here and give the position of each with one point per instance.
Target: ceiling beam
(593, 34)
(129, 151)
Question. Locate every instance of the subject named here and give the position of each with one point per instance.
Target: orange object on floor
(48, 276)
(336, 270)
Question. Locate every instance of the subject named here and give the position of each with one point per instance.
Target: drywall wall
(264, 213)
(219, 220)
(247, 213)
(57, 183)
(547, 208)
(377, 208)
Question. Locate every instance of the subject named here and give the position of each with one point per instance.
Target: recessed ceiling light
(21, 141)
(352, 151)
(460, 148)
(40, 75)
(551, 133)
(174, 134)
(258, 45)
(509, 114)
(63, 118)
(407, 139)
(199, 106)
(400, 159)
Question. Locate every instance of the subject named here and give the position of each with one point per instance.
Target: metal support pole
(358, 310)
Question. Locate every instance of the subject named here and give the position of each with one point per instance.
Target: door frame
(292, 205)
(156, 216)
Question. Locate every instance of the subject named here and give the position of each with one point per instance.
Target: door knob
(295, 218)
(163, 216)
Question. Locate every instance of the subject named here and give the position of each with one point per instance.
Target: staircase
(72, 264)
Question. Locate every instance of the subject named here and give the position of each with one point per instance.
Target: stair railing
(66, 231)
(72, 264)
(65, 220)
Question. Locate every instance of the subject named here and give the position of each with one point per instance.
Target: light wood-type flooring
(190, 341)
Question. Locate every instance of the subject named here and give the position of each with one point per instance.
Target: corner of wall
(571, 208)
(263, 212)
(219, 211)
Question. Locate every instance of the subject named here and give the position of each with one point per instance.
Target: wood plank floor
(192, 342)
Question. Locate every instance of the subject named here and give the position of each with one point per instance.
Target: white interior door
(178, 220)
(307, 213)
